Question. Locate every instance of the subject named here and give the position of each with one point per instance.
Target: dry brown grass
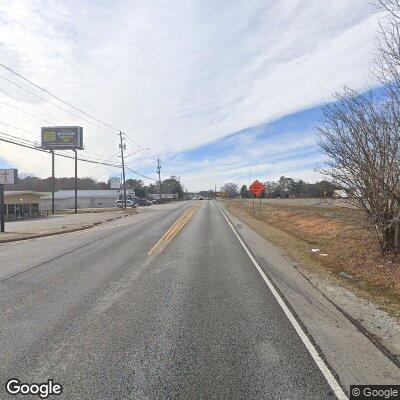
(339, 232)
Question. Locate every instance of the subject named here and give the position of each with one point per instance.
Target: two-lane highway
(165, 307)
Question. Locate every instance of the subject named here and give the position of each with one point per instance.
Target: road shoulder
(59, 224)
(350, 354)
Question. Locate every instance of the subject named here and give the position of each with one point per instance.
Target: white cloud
(174, 74)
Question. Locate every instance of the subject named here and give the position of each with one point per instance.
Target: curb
(81, 228)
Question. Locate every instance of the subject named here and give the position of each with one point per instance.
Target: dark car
(142, 202)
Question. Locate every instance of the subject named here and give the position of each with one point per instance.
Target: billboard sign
(115, 182)
(8, 176)
(62, 137)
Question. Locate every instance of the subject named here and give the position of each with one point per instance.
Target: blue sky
(213, 88)
(283, 147)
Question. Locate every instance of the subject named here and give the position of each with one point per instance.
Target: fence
(26, 215)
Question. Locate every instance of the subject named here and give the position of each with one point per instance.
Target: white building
(65, 199)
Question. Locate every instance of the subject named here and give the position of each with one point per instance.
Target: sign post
(256, 188)
(63, 138)
(7, 177)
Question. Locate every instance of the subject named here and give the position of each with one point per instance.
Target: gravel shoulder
(297, 227)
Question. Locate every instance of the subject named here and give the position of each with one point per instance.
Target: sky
(220, 91)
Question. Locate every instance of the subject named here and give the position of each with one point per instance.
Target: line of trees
(360, 134)
(169, 185)
(44, 185)
(283, 188)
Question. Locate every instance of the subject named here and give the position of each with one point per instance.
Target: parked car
(129, 203)
(142, 201)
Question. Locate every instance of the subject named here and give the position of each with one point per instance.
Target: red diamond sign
(257, 188)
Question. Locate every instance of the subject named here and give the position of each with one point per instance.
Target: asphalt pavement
(195, 319)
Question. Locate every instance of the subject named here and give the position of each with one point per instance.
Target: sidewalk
(60, 223)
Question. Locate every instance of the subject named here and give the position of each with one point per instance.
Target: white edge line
(340, 394)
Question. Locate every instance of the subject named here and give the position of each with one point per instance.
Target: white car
(129, 203)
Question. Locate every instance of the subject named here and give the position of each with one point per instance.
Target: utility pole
(215, 192)
(122, 147)
(159, 175)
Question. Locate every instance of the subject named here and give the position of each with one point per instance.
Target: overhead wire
(33, 147)
(104, 125)
(48, 122)
(92, 169)
(57, 97)
(53, 104)
(138, 173)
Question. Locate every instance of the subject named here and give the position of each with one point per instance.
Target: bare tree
(360, 135)
(387, 59)
(230, 190)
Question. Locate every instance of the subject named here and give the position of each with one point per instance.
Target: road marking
(333, 383)
(174, 229)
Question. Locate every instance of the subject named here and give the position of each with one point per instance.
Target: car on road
(129, 203)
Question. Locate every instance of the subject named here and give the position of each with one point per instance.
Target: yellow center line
(174, 229)
(168, 231)
(181, 224)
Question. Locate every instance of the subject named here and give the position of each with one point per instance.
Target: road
(150, 308)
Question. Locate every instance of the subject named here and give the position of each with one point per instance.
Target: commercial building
(21, 204)
(65, 199)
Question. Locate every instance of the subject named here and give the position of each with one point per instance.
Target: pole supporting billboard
(52, 181)
(76, 181)
(62, 138)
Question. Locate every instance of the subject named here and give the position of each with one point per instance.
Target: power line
(18, 129)
(152, 155)
(56, 97)
(140, 147)
(18, 138)
(107, 159)
(33, 143)
(110, 127)
(138, 173)
(32, 147)
(48, 122)
(66, 103)
(53, 104)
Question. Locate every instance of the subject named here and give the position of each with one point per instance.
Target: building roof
(65, 194)
(20, 192)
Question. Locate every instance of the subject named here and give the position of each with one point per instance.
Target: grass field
(347, 248)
